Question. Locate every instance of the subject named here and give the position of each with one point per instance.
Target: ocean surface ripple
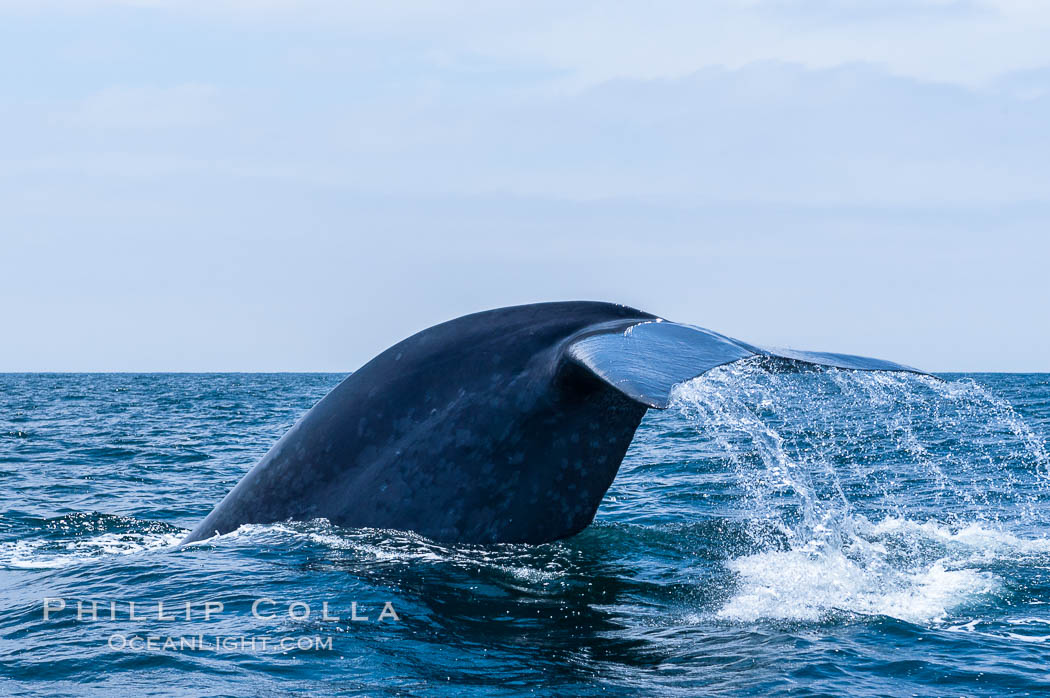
(798, 532)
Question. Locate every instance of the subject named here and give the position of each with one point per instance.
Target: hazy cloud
(147, 107)
(962, 41)
(770, 132)
(180, 177)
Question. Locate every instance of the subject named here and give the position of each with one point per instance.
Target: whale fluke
(646, 360)
(507, 425)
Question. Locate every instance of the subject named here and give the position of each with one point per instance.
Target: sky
(268, 185)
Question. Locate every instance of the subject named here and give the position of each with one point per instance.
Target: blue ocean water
(802, 533)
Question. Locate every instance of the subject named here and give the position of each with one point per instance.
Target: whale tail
(499, 427)
(644, 361)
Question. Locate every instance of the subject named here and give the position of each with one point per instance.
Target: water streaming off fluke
(874, 493)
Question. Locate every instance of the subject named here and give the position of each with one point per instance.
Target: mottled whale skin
(505, 426)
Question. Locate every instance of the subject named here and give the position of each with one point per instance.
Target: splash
(863, 494)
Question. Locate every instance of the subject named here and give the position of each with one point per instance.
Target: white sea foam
(868, 577)
(51, 554)
(982, 541)
(796, 585)
(1006, 629)
(401, 547)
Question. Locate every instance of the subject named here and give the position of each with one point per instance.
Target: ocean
(802, 533)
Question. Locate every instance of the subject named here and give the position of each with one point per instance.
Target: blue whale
(507, 425)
